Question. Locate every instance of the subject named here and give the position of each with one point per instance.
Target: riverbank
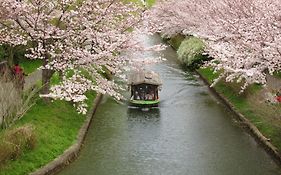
(72, 152)
(264, 130)
(263, 119)
(56, 126)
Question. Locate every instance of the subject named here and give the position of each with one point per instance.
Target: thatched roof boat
(144, 87)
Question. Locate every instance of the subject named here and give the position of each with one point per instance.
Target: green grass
(56, 127)
(55, 79)
(221, 87)
(208, 74)
(243, 103)
(277, 74)
(30, 66)
(176, 41)
(149, 3)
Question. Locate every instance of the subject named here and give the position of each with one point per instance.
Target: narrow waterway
(191, 133)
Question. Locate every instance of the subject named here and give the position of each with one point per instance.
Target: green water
(191, 133)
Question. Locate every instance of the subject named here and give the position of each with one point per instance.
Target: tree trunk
(60, 76)
(10, 57)
(46, 78)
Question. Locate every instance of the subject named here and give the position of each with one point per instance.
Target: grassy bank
(265, 116)
(55, 127)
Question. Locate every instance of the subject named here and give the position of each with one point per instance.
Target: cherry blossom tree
(242, 36)
(78, 38)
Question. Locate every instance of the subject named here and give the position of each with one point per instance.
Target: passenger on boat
(149, 96)
(137, 97)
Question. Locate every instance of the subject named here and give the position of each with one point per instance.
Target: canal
(191, 133)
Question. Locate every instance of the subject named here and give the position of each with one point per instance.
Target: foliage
(12, 54)
(150, 3)
(15, 141)
(242, 36)
(71, 35)
(55, 79)
(55, 126)
(176, 41)
(30, 66)
(209, 74)
(191, 51)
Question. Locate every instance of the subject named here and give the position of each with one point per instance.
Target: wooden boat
(144, 86)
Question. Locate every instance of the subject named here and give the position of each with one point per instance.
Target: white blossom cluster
(82, 38)
(243, 36)
(72, 89)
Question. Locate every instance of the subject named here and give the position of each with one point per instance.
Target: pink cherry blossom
(73, 37)
(243, 36)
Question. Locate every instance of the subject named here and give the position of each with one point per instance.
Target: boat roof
(144, 77)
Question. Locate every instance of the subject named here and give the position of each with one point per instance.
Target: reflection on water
(190, 133)
(143, 114)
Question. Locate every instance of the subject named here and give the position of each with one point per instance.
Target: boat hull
(144, 103)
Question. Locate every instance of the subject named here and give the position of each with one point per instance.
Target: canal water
(191, 133)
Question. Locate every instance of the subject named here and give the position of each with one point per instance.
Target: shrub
(15, 142)
(176, 41)
(190, 52)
